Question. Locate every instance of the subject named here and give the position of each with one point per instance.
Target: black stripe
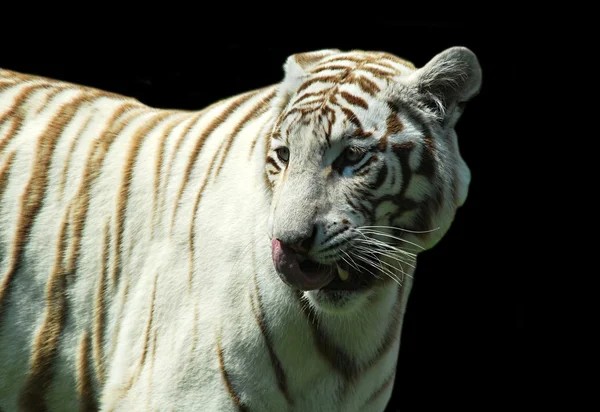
(241, 407)
(256, 111)
(336, 356)
(258, 311)
(222, 117)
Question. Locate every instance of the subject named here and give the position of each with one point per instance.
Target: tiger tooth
(342, 273)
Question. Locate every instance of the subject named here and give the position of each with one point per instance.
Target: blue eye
(349, 157)
(283, 153)
(352, 155)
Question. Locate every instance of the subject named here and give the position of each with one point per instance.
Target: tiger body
(136, 257)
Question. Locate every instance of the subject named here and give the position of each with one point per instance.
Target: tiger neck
(351, 342)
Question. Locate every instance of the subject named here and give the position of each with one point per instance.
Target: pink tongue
(288, 268)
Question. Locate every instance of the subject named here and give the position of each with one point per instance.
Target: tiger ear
(447, 82)
(296, 70)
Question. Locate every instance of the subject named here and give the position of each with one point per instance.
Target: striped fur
(135, 255)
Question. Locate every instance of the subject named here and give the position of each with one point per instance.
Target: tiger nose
(300, 244)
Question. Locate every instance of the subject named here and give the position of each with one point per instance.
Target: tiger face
(364, 168)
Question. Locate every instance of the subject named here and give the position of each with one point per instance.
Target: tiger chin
(256, 255)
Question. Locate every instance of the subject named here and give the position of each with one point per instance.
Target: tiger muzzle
(298, 272)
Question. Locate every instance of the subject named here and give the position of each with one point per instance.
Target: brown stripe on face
(295, 111)
(379, 73)
(267, 149)
(256, 111)
(258, 311)
(354, 100)
(93, 165)
(335, 356)
(394, 125)
(216, 122)
(308, 95)
(35, 190)
(402, 152)
(45, 343)
(427, 166)
(85, 392)
(320, 69)
(307, 59)
(367, 85)
(398, 60)
(365, 167)
(356, 206)
(331, 118)
(235, 398)
(273, 163)
(267, 181)
(123, 193)
(5, 173)
(380, 62)
(352, 117)
(99, 306)
(381, 176)
(361, 134)
(383, 142)
(319, 79)
(341, 58)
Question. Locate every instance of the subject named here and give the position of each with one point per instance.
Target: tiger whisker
(389, 256)
(383, 270)
(362, 268)
(394, 256)
(380, 244)
(350, 257)
(375, 232)
(401, 229)
(366, 238)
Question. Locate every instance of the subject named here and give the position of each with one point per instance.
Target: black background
(465, 319)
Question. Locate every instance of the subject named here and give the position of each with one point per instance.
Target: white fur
(233, 222)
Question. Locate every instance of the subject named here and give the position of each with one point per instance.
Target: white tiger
(253, 256)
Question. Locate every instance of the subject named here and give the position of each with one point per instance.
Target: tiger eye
(283, 153)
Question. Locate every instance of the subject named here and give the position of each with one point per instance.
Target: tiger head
(364, 167)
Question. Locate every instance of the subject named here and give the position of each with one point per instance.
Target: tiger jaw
(305, 274)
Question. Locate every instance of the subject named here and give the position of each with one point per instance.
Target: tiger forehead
(343, 85)
(337, 92)
(363, 58)
(324, 128)
(358, 68)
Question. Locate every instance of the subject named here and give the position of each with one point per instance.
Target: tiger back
(256, 255)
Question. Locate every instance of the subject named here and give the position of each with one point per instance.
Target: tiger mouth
(306, 274)
(343, 276)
